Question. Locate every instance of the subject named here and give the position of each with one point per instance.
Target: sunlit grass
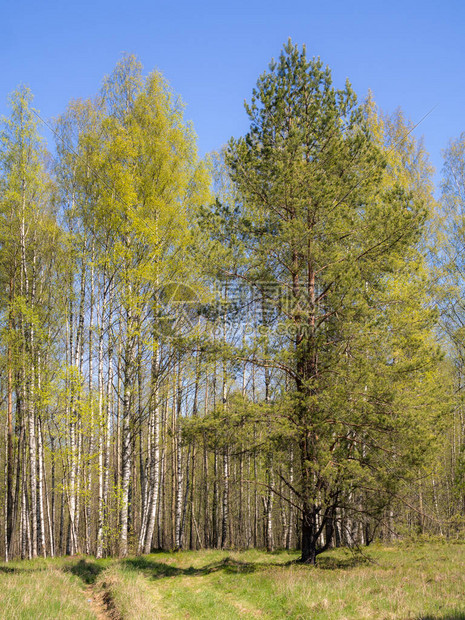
(41, 590)
(405, 582)
(400, 582)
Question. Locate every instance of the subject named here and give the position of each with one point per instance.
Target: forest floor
(417, 581)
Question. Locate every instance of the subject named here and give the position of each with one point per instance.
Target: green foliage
(326, 225)
(273, 305)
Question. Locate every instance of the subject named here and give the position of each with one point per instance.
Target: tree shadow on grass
(459, 615)
(352, 561)
(160, 570)
(87, 571)
(10, 570)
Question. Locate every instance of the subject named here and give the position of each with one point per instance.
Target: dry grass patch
(406, 583)
(127, 595)
(43, 594)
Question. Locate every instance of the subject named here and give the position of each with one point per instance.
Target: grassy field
(419, 581)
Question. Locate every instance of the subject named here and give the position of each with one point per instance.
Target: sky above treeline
(408, 53)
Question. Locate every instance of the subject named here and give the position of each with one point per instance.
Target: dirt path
(101, 604)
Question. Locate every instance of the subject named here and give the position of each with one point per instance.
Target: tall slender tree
(324, 236)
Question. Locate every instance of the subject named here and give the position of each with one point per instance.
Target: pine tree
(324, 235)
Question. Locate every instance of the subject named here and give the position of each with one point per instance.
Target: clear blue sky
(410, 54)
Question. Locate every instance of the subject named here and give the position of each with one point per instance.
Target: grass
(41, 590)
(415, 582)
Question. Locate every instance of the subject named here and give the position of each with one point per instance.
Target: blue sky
(410, 54)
